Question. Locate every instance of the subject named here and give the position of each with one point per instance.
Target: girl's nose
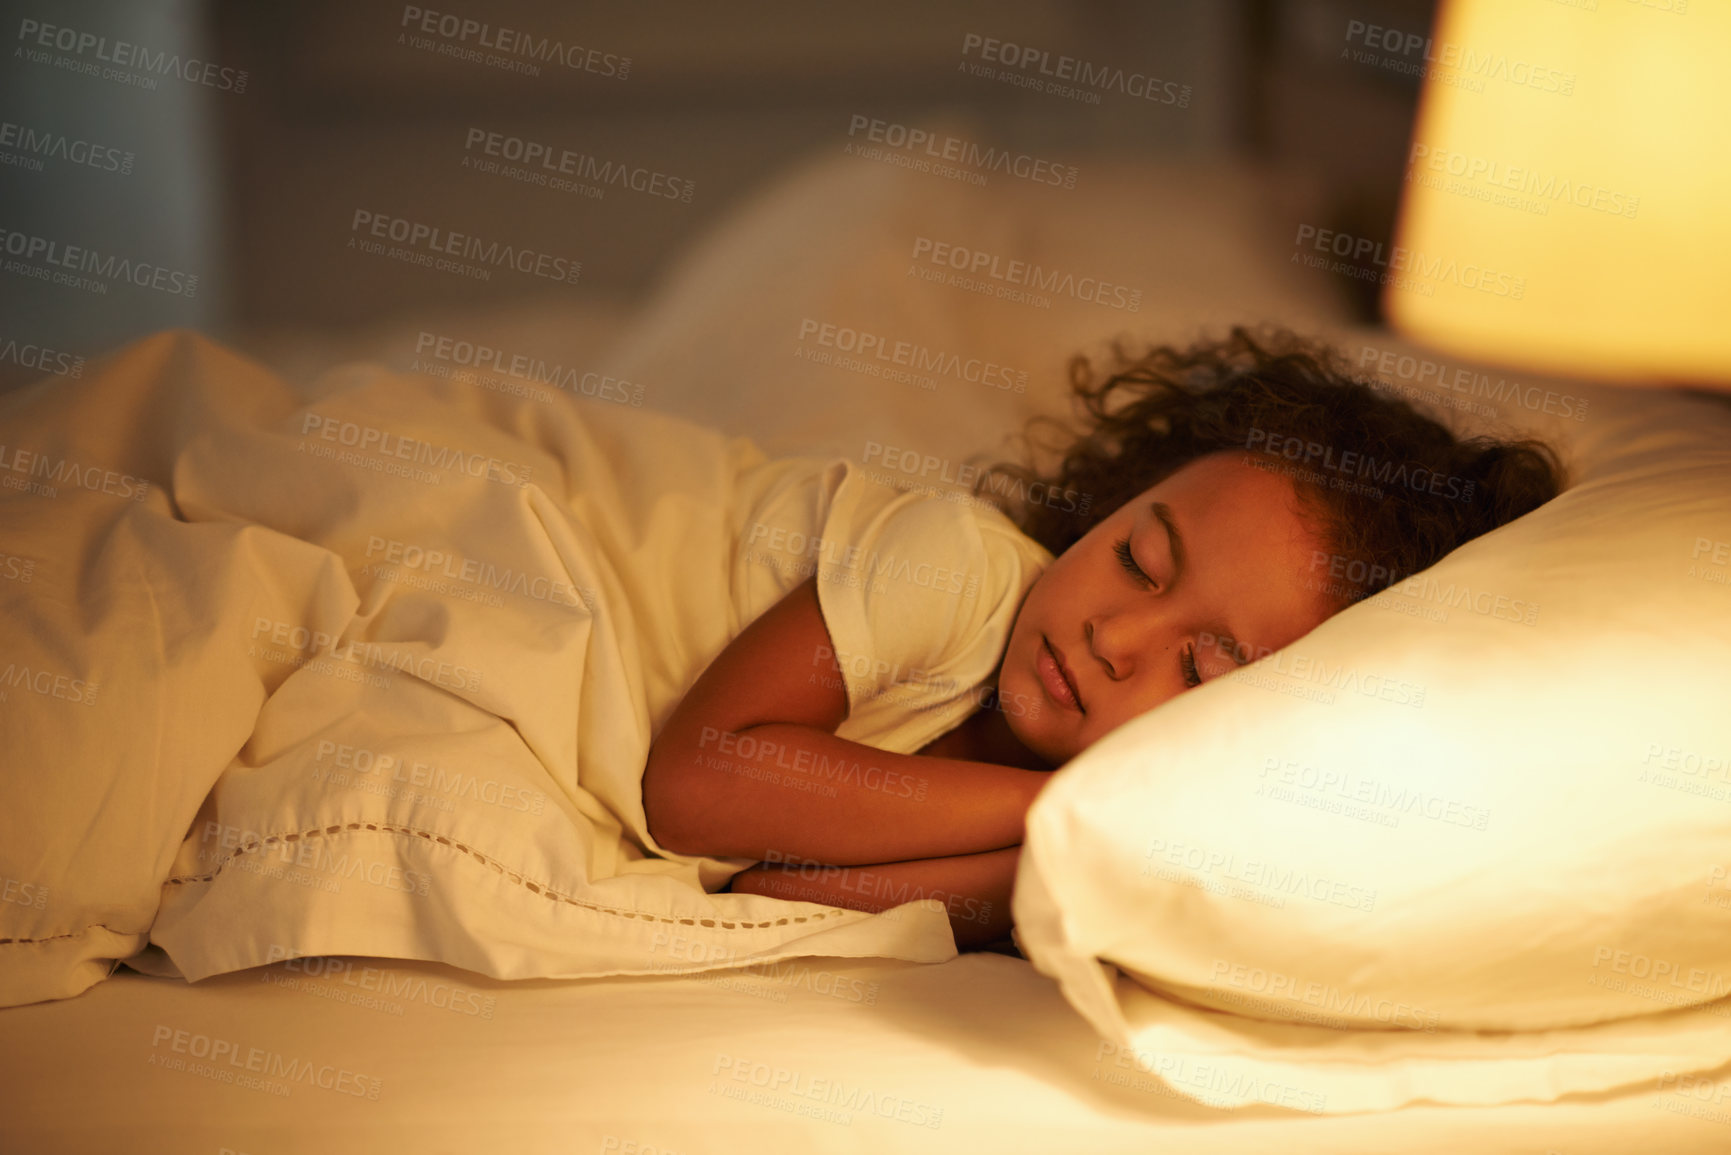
(1121, 640)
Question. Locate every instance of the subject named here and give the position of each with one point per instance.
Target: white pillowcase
(1496, 797)
(824, 260)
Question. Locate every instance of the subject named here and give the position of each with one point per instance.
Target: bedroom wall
(354, 107)
(353, 114)
(119, 165)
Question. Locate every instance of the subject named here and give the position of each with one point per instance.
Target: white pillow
(824, 260)
(1491, 798)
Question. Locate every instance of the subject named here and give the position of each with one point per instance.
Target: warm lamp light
(1568, 198)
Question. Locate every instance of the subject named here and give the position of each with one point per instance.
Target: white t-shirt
(919, 592)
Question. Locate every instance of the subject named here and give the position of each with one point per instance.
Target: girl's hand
(974, 888)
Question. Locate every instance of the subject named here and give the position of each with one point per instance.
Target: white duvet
(367, 669)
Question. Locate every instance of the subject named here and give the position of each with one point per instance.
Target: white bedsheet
(559, 1067)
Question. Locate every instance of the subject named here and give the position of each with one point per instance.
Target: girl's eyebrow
(1224, 638)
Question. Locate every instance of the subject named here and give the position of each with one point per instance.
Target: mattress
(815, 1055)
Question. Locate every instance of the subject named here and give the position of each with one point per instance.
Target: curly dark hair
(1389, 488)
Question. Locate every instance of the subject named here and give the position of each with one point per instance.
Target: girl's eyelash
(1187, 660)
(1128, 561)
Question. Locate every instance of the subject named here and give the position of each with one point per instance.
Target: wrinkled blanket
(368, 667)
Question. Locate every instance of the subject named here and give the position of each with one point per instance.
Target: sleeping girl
(879, 732)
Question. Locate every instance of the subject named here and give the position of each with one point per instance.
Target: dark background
(255, 190)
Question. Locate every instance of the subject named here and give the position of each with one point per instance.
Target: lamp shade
(1568, 190)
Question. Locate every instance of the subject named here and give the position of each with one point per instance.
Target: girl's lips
(1054, 678)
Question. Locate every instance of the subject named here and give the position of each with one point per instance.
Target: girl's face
(1199, 574)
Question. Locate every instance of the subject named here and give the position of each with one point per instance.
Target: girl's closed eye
(1187, 656)
(1128, 561)
(1187, 660)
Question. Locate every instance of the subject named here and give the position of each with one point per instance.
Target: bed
(978, 1054)
(802, 1050)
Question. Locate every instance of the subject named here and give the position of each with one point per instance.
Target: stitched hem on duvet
(74, 934)
(533, 887)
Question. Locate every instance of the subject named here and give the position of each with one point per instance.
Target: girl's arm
(974, 888)
(748, 765)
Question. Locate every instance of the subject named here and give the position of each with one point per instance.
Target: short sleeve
(919, 593)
